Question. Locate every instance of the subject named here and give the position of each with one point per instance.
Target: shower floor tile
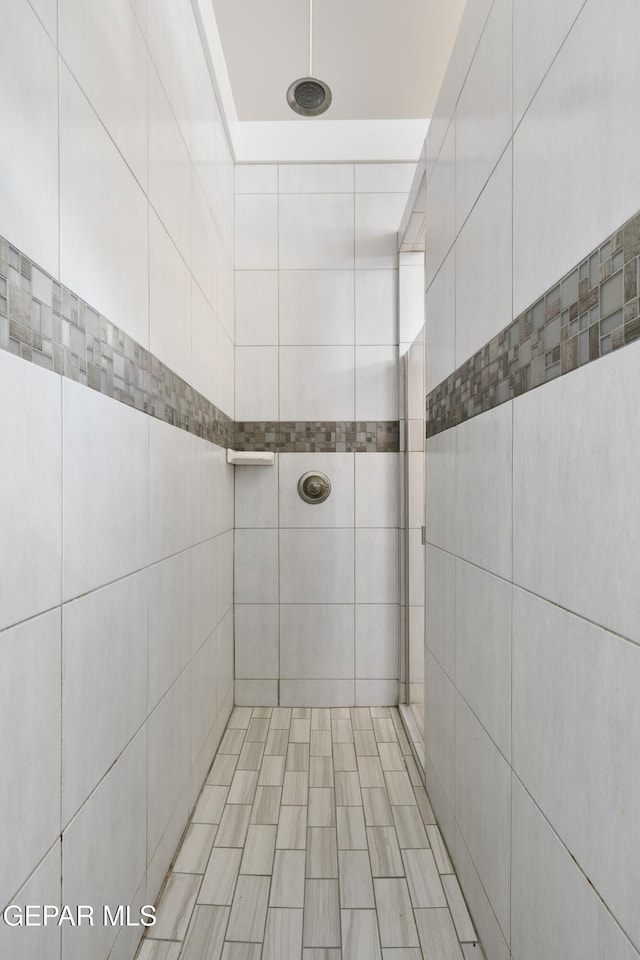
(312, 839)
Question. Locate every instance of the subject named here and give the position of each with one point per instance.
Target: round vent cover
(309, 97)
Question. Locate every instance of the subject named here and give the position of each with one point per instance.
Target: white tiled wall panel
(115, 612)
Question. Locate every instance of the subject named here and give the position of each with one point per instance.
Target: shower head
(309, 97)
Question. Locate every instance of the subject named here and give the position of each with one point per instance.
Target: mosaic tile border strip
(592, 311)
(44, 322)
(327, 436)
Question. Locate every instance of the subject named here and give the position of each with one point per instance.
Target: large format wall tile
(440, 325)
(440, 607)
(256, 383)
(483, 809)
(317, 641)
(316, 307)
(104, 48)
(172, 455)
(169, 623)
(106, 471)
(257, 641)
(256, 566)
(483, 115)
(546, 883)
(574, 482)
(440, 490)
(43, 886)
(30, 721)
(483, 269)
(256, 232)
(440, 726)
(538, 32)
(316, 566)
(587, 94)
(576, 743)
(102, 263)
(316, 231)
(28, 79)
(104, 850)
(377, 218)
(483, 649)
(483, 490)
(30, 511)
(169, 730)
(105, 637)
(441, 207)
(170, 319)
(317, 383)
(376, 307)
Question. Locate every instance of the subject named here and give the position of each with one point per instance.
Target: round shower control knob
(314, 487)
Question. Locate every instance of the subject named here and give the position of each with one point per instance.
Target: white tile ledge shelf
(251, 458)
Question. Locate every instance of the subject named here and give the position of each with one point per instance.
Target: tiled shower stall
(160, 303)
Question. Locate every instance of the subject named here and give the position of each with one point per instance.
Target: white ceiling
(383, 59)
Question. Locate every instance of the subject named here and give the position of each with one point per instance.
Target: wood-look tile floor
(313, 839)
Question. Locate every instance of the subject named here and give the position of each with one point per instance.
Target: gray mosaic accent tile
(43, 322)
(328, 436)
(592, 311)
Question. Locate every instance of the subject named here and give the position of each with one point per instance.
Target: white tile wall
(384, 177)
(316, 178)
(316, 383)
(316, 307)
(256, 232)
(440, 607)
(256, 178)
(99, 546)
(169, 301)
(483, 491)
(256, 496)
(523, 501)
(377, 490)
(256, 307)
(483, 808)
(376, 641)
(101, 262)
(103, 849)
(376, 306)
(169, 623)
(377, 219)
(440, 330)
(104, 682)
(483, 115)
(28, 79)
(316, 566)
(376, 583)
(106, 54)
(171, 458)
(168, 755)
(316, 231)
(31, 429)
(256, 566)
(483, 649)
(575, 742)
(586, 522)
(377, 383)
(582, 95)
(257, 627)
(43, 886)
(483, 270)
(441, 207)
(547, 883)
(134, 490)
(317, 641)
(256, 383)
(30, 715)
